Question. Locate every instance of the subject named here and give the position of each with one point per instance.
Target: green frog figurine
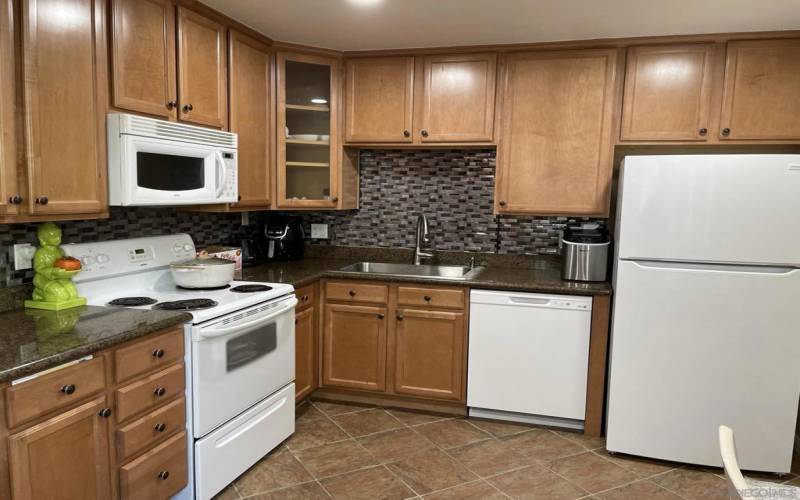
(54, 289)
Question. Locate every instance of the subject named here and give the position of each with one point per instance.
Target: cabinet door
(304, 350)
(379, 96)
(202, 70)
(250, 117)
(429, 354)
(667, 93)
(66, 456)
(308, 143)
(555, 152)
(458, 98)
(64, 90)
(9, 196)
(143, 56)
(762, 84)
(354, 351)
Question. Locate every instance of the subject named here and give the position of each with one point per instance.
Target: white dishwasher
(528, 357)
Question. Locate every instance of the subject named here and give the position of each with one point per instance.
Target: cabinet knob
(304, 298)
(171, 104)
(726, 131)
(399, 317)
(187, 108)
(703, 131)
(15, 200)
(406, 133)
(68, 389)
(239, 198)
(159, 427)
(381, 315)
(158, 353)
(335, 199)
(42, 200)
(502, 203)
(105, 412)
(159, 391)
(163, 475)
(424, 133)
(352, 293)
(427, 298)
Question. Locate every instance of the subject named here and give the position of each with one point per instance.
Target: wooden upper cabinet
(379, 96)
(354, 347)
(250, 85)
(9, 196)
(761, 96)
(555, 151)
(458, 98)
(66, 456)
(429, 354)
(202, 70)
(143, 56)
(667, 93)
(65, 96)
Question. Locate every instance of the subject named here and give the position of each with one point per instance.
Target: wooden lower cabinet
(354, 352)
(65, 456)
(304, 355)
(429, 353)
(414, 352)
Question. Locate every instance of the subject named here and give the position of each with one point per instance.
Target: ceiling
(389, 24)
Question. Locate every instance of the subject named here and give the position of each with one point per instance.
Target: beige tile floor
(345, 451)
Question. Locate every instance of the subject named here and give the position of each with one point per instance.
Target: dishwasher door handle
(528, 301)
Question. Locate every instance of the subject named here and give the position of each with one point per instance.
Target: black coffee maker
(280, 238)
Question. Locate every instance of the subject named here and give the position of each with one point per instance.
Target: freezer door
(710, 208)
(696, 347)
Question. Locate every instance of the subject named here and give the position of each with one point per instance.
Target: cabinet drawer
(148, 355)
(54, 390)
(437, 297)
(149, 392)
(159, 473)
(151, 428)
(357, 292)
(305, 296)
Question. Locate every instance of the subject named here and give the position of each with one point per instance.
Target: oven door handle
(222, 172)
(212, 332)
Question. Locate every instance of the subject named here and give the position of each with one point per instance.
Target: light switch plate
(23, 256)
(319, 231)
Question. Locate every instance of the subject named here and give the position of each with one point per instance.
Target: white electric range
(239, 351)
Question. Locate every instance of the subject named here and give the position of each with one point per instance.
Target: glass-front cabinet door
(308, 142)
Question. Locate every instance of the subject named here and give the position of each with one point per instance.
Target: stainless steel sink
(410, 270)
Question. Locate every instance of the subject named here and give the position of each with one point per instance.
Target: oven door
(240, 359)
(163, 172)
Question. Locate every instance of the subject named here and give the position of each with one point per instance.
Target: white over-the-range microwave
(156, 162)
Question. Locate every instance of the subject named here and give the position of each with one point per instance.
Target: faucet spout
(423, 236)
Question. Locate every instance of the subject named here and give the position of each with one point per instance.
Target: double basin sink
(455, 273)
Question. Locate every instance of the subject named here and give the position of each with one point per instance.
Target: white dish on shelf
(304, 137)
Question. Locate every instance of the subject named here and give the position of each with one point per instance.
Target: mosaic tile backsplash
(453, 188)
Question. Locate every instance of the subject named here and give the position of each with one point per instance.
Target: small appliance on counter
(584, 252)
(282, 238)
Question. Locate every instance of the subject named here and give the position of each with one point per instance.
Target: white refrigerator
(706, 316)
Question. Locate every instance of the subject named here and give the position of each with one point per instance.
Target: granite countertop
(544, 276)
(32, 340)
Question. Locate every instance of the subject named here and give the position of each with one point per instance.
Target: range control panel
(109, 258)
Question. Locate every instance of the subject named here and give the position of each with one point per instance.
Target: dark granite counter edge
(93, 348)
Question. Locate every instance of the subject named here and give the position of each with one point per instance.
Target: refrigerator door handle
(712, 266)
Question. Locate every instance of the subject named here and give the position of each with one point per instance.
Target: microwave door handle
(222, 173)
(208, 333)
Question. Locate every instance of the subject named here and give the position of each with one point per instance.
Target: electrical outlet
(23, 256)
(319, 231)
(245, 218)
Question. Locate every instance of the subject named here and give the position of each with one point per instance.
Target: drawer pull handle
(381, 315)
(105, 412)
(427, 298)
(160, 428)
(159, 391)
(305, 298)
(352, 293)
(399, 317)
(163, 475)
(68, 389)
(158, 353)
